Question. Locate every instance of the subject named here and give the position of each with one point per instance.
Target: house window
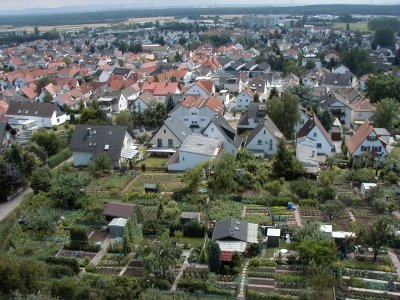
(315, 134)
(372, 138)
(186, 119)
(259, 142)
(270, 145)
(170, 143)
(264, 131)
(165, 131)
(159, 142)
(203, 120)
(319, 145)
(212, 129)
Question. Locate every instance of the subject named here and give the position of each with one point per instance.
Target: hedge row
(57, 159)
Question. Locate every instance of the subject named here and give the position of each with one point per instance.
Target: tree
(396, 60)
(333, 209)
(256, 98)
(285, 164)
(326, 119)
(67, 60)
(124, 118)
(22, 159)
(40, 180)
(136, 47)
(284, 112)
(310, 65)
(384, 37)
(10, 180)
(78, 238)
(66, 188)
(387, 114)
(49, 140)
(214, 257)
(170, 103)
(47, 98)
(161, 258)
(320, 252)
(306, 97)
(223, 179)
(44, 81)
(383, 86)
(273, 93)
(100, 164)
(192, 178)
(291, 66)
(382, 232)
(357, 60)
(92, 49)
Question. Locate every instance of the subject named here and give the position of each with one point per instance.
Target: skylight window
(106, 147)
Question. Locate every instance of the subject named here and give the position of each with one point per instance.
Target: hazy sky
(26, 4)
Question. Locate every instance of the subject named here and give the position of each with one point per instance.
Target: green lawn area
(361, 26)
(192, 241)
(167, 182)
(153, 162)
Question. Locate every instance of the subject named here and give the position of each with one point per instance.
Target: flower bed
(383, 265)
(352, 294)
(261, 281)
(226, 278)
(370, 275)
(262, 272)
(260, 288)
(290, 281)
(109, 271)
(134, 272)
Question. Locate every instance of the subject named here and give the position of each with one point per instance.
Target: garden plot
(365, 215)
(76, 254)
(282, 216)
(167, 182)
(258, 214)
(108, 186)
(310, 214)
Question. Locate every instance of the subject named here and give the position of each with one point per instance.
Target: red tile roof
(363, 105)
(359, 136)
(205, 85)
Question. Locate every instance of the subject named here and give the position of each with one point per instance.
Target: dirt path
(297, 217)
(130, 183)
(183, 267)
(102, 252)
(7, 207)
(395, 261)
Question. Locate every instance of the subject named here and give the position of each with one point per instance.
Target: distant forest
(120, 16)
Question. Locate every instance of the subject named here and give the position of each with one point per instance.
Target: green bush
(71, 263)
(90, 268)
(308, 203)
(253, 295)
(57, 159)
(191, 284)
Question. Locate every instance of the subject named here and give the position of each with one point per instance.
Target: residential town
(235, 157)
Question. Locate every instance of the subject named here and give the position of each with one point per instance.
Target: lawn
(223, 209)
(110, 182)
(192, 241)
(167, 182)
(361, 26)
(153, 162)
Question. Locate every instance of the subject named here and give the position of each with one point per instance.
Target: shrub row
(57, 159)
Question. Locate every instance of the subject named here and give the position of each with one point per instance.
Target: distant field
(361, 26)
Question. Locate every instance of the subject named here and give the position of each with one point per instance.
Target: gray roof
(269, 125)
(190, 215)
(226, 129)
(200, 144)
(253, 112)
(230, 229)
(328, 99)
(106, 139)
(177, 127)
(338, 79)
(29, 108)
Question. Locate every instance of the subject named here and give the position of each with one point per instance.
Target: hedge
(57, 159)
(71, 263)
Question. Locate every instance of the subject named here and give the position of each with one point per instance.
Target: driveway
(7, 207)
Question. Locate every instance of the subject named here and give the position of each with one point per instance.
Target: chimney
(89, 132)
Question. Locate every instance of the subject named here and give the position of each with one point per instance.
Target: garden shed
(117, 227)
(118, 210)
(273, 236)
(188, 216)
(366, 188)
(150, 187)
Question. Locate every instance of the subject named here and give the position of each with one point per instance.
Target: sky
(7, 5)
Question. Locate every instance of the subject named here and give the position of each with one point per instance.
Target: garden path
(297, 217)
(241, 295)
(395, 261)
(183, 267)
(7, 207)
(102, 252)
(130, 183)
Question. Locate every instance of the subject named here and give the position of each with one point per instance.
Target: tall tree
(326, 119)
(382, 232)
(285, 164)
(23, 160)
(192, 178)
(214, 257)
(223, 179)
(387, 114)
(10, 180)
(284, 112)
(383, 86)
(49, 140)
(305, 94)
(384, 37)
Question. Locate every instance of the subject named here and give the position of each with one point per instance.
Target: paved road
(7, 207)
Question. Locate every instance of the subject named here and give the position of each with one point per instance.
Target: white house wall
(267, 139)
(366, 143)
(82, 158)
(188, 160)
(323, 146)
